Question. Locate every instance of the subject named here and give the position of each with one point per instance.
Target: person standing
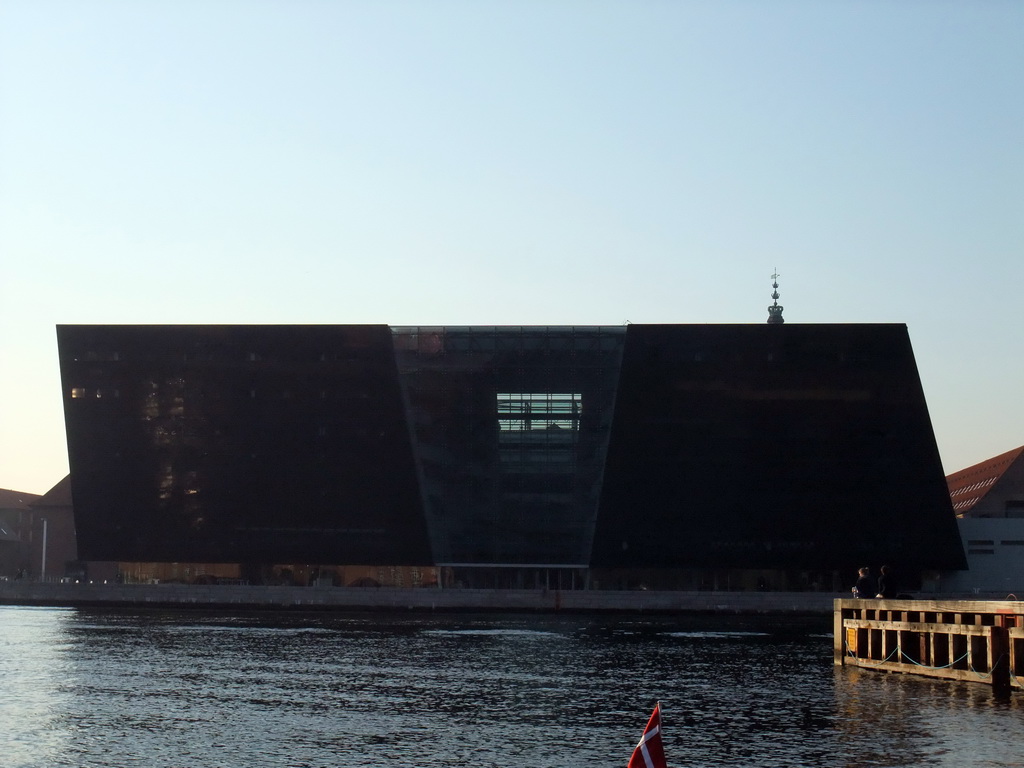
(886, 584)
(866, 585)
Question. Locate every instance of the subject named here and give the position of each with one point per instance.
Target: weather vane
(775, 310)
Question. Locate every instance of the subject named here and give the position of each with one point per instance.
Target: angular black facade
(789, 447)
(662, 446)
(239, 444)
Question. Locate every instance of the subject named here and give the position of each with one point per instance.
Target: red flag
(650, 753)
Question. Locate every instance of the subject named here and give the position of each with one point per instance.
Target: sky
(522, 162)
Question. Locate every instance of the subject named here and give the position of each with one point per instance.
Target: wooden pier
(974, 640)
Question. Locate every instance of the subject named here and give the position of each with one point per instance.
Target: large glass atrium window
(538, 429)
(533, 411)
(510, 427)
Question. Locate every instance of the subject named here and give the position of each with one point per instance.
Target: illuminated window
(532, 411)
(538, 431)
(77, 392)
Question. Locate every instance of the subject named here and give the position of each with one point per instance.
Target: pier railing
(973, 640)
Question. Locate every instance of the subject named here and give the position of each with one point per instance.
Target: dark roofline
(58, 496)
(16, 499)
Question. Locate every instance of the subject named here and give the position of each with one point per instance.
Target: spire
(775, 310)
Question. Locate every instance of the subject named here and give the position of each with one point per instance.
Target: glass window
(533, 411)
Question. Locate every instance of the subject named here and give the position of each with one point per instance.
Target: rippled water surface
(115, 689)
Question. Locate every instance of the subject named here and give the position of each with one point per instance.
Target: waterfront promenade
(422, 599)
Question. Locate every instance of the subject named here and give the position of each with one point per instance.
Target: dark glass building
(670, 454)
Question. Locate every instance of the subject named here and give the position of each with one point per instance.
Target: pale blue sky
(514, 163)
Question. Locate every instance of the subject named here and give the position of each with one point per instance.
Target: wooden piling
(977, 641)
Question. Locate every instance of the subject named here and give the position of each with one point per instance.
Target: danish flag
(650, 752)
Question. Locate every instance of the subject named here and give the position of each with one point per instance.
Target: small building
(53, 551)
(15, 517)
(988, 499)
(991, 488)
(995, 558)
(37, 534)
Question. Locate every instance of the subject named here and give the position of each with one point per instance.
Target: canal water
(203, 690)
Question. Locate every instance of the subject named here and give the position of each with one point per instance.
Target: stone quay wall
(423, 599)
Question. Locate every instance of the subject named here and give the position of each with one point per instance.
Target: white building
(988, 499)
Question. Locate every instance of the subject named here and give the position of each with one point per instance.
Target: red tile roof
(969, 486)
